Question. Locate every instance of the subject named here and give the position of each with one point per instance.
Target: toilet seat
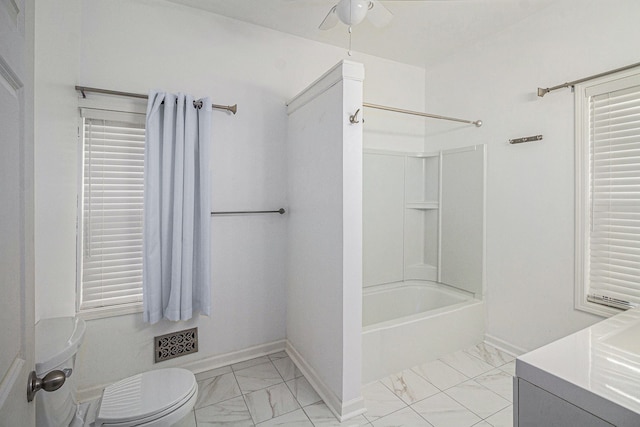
(159, 397)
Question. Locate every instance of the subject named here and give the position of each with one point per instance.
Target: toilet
(161, 397)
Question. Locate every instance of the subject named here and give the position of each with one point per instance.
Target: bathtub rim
(467, 299)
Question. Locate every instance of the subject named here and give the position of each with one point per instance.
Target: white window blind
(111, 209)
(614, 195)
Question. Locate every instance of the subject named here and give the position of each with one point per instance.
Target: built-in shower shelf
(420, 272)
(422, 205)
(424, 155)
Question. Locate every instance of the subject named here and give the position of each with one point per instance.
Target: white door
(16, 212)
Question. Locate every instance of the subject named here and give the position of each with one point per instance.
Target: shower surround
(423, 248)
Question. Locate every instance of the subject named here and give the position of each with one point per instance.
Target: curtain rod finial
(478, 123)
(542, 92)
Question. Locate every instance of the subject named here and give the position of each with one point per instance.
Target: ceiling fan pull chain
(350, 21)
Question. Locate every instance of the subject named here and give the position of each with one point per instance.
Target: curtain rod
(543, 91)
(478, 123)
(280, 211)
(83, 89)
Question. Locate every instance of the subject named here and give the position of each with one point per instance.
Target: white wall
(136, 45)
(530, 224)
(324, 293)
(57, 51)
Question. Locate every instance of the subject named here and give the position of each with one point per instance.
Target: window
(110, 212)
(608, 193)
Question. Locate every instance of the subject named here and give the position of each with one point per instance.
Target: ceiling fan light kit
(352, 12)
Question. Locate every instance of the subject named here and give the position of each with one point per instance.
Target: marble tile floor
(471, 387)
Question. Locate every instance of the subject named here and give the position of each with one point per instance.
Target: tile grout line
(470, 410)
(244, 399)
(438, 388)
(485, 361)
(419, 414)
(476, 376)
(284, 381)
(457, 370)
(298, 401)
(402, 409)
(485, 419)
(286, 387)
(394, 395)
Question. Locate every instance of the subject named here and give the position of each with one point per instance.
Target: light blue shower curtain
(176, 273)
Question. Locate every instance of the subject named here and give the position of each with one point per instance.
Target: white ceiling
(421, 31)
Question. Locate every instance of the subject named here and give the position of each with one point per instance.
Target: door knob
(50, 382)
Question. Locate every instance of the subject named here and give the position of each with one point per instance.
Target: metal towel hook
(354, 119)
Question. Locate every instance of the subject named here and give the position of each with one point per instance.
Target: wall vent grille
(176, 344)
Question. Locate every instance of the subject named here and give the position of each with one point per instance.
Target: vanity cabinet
(590, 378)
(535, 407)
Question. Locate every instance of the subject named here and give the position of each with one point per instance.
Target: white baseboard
(342, 410)
(218, 361)
(505, 346)
(202, 365)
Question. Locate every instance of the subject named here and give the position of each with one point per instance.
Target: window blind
(111, 208)
(614, 198)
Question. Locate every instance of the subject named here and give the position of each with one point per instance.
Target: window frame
(108, 104)
(582, 94)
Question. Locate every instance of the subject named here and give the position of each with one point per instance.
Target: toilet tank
(57, 342)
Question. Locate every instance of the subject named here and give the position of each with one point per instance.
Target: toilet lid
(144, 395)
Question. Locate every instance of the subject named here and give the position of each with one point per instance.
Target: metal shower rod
(477, 123)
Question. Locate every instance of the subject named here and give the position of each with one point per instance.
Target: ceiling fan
(352, 12)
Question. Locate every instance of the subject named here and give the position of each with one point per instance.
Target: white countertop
(597, 369)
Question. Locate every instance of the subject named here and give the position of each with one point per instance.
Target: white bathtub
(408, 323)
